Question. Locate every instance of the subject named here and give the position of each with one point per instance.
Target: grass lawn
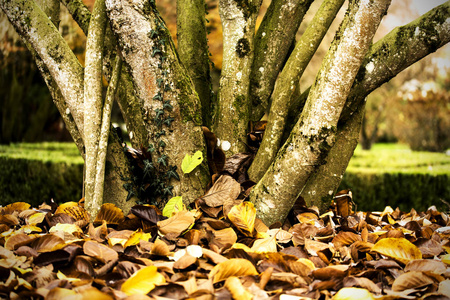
(398, 158)
(46, 152)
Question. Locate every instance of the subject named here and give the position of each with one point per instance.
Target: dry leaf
(47, 243)
(350, 293)
(265, 245)
(243, 217)
(176, 224)
(237, 290)
(143, 281)
(99, 251)
(136, 237)
(412, 280)
(74, 210)
(225, 188)
(109, 213)
(426, 265)
(399, 249)
(233, 267)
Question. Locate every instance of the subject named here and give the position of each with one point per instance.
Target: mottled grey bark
(314, 134)
(273, 39)
(93, 103)
(324, 182)
(170, 105)
(80, 13)
(104, 134)
(234, 105)
(284, 95)
(129, 105)
(193, 50)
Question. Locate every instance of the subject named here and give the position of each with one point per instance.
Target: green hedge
(373, 192)
(34, 181)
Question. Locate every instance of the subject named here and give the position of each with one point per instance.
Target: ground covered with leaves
(218, 249)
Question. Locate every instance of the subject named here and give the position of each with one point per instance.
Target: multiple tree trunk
(164, 93)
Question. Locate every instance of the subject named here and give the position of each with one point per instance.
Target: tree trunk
(170, 106)
(193, 50)
(314, 134)
(233, 111)
(284, 95)
(273, 39)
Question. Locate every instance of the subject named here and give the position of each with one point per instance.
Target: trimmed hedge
(35, 182)
(373, 192)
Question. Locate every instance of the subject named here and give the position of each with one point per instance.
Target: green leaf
(173, 205)
(189, 163)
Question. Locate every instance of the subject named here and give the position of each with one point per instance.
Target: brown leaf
(225, 236)
(176, 224)
(233, 267)
(160, 248)
(47, 243)
(148, 213)
(327, 273)
(17, 240)
(99, 251)
(109, 213)
(426, 265)
(224, 188)
(362, 283)
(314, 247)
(412, 280)
(185, 262)
(213, 256)
(243, 217)
(429, 247)
(74, 210)
(399, 249)
(345, 238)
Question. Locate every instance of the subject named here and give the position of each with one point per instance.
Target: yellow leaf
(233, 267)
(399, 249)
(35, 218)
(241, 246)
(136, 237)
(446, 259)
(143, 281)
(351, 293)
(243, 217)
(237, 290)
(265, 245)
(68, 228)
(61, 276)
(30, 228)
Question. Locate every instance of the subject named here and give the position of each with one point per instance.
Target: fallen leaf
(174, 205)
(225, 188)
(426, 265)
(176, 224)
(233, 267)
(399, 249)
(143, 281)
(243, 217)
(350, 293)
(412, 280)
(237, 290)
(265, 245)
(100, 251)
(109, 213)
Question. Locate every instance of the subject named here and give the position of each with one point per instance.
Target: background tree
(164, 103)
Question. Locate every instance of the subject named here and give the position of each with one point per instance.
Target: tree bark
(193, 50)
(314, 134)
(273, 39)
(233, 111)
(93, 102)
(283, 95)
(324, 182)
(389, 56)
(170, 107)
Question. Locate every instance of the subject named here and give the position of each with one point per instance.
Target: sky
(423, 6)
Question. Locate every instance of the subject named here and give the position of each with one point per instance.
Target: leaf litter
(218, 249)
(233, 255)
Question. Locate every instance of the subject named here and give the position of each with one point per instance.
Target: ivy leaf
(189, 163)
(175, 204)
